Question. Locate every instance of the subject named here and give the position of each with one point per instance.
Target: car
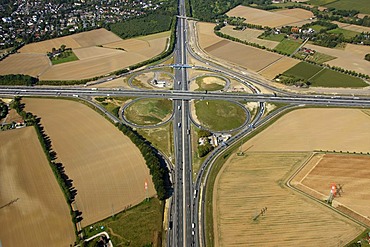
(179, 125)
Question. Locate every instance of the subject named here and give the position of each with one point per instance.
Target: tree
(367, 57)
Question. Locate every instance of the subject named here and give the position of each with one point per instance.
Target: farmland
(218, 115)
(287, 46)
(99, 52)
(329, 78)
(40, 213)
(149, 111)
(247, 184)
(349, 171)
(279, 67)
(296, 17)
(107, 169)
(303, 70)
(360, 5)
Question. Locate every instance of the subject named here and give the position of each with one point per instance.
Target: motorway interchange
(186, 210)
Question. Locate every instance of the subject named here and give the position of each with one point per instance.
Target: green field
(274, 37)
(346, 33)
(218, 115)
(361, 5)
(137, 226)
(67, 56)
(303, 70)
(148, 111)
(330, 78)
(320, 58)
(317, 28)
(208, 86)
(287, 46)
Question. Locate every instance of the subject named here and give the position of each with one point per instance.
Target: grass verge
(140, 225)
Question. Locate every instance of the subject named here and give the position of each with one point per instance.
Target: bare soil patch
(350, 171)
(249, 35)
(316, 129)
(206, 35)
(107, 169)
(351, 58)
(29, 64)
(39, 213)
(13, 116)
(293, 17)
(278, 67)
(249, 183)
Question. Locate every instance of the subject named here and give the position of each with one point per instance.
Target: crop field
(206, 35)
(360, 5)
(278, 67)
(219, 115)
(114, 54)
(351, 27)
(287, 46)
(346, 33)
(210, 83)
(329, 78)
(303, 70)
(349, 171)
(351, 58)
(292, 17)
(318, 57)
(316, 129)
(246, 56)
(30, 64)
(249, 35)
(247, 184)
(107, 169)
(39, 213)
(149, 111)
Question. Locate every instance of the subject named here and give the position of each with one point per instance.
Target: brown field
(351, 27)
(13, 116)
(316, 129)
(30, 64)
(291, 17)
(94, 61)
(107, 169)
(249, 35)
(249, 183)
(278, 67)
(41, 214)
(351, 171)
(351, 58)
(206, 35)
(85, 39)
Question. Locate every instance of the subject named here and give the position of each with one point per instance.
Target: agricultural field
(350, 58)
(346, 33)
(247, 184)
(329, 78)
(351, 27)
(39, 213)
(149, 111)
(292, 17)
(99, 52)
(288, 46)
(209, 83)
(360, 5)
(250, 35)
(316, 129)
(346, 170)
(219, 115)
(107, 169)
(303, 70)
(278, 67)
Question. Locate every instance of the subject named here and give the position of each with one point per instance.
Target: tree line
(65, 183)
(18, 79)
(158, 171)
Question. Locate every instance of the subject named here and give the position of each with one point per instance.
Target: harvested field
(85, 39)
(351, 27)
(39, 213)
(350, 171)
(13, 116)
(291, 17)
(278, 67)
(107, 169)
(316, 129)
(29, 64)
(206, 35)
(249, 35)
(247, 184)
(246, 56)
(94, 61)
(351, 58)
